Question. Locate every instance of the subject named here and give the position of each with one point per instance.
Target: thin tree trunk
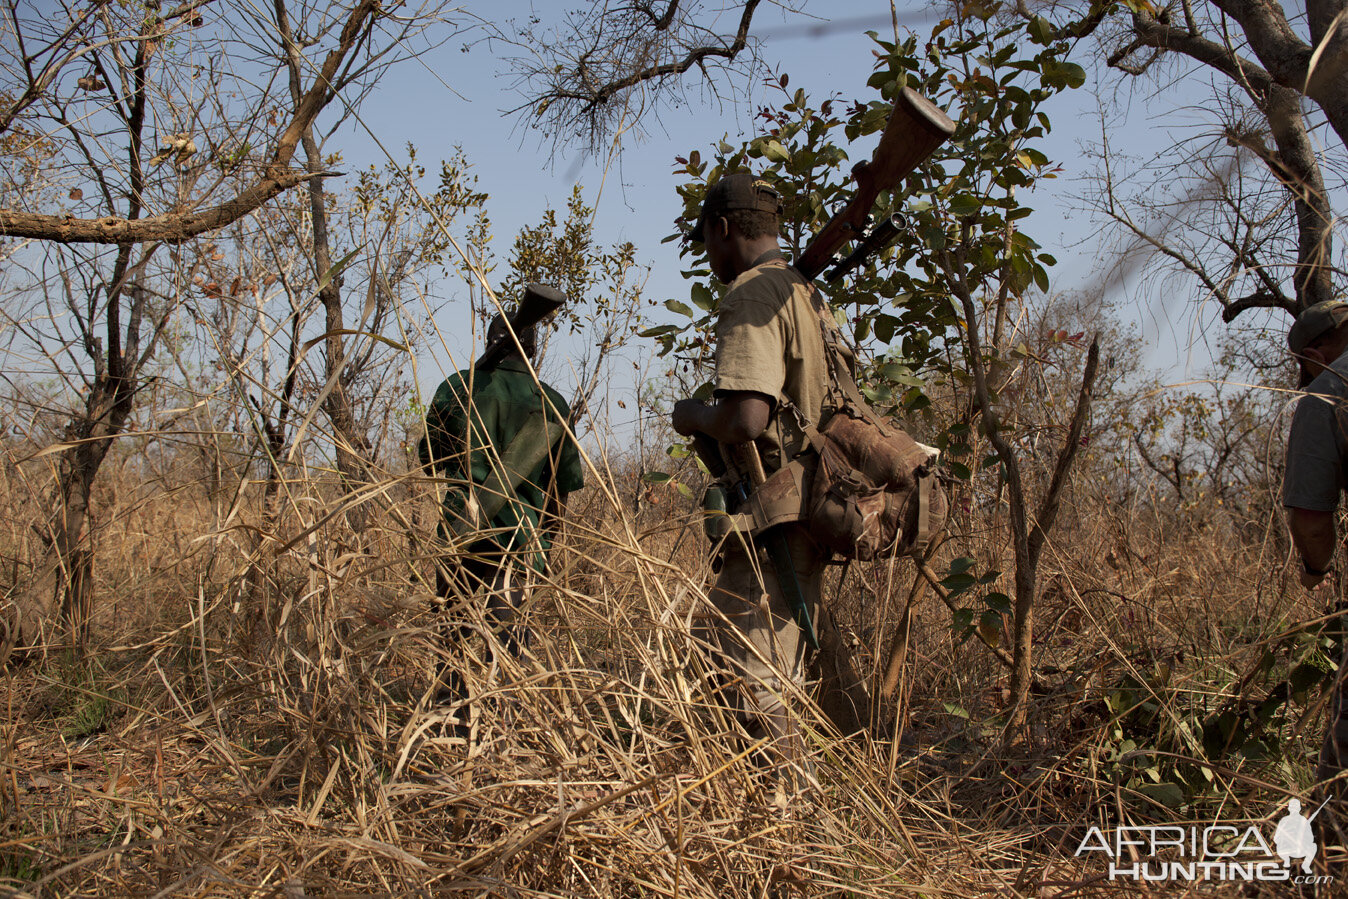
(65, 584)
(353, 449)
(117, 360)
(1029, 550)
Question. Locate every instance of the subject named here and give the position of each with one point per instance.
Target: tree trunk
(1300, 174)
(1030, 546)
(64, 582)
(353, 450)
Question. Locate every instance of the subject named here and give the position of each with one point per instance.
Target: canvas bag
(872, 491)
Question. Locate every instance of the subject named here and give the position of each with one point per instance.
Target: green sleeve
(568, 473)
(447, 428)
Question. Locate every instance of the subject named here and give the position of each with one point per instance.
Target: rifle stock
(916, 128)
(538, 303)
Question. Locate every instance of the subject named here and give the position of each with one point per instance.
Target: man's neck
(755, 252)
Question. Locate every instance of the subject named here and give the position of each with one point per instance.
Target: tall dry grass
(255, 718)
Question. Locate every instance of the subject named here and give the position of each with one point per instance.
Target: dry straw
(257, 718)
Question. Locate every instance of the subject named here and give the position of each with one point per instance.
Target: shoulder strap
(841, 378)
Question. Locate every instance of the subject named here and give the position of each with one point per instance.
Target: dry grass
(255, 720)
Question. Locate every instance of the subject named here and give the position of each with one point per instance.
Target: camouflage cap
(738, 191)
(1310, 326)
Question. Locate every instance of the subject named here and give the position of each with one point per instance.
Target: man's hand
(735, 417)
(1311, 581)
(1312, 577)
(1314, 538)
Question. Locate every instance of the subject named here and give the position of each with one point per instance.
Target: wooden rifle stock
(916, 128)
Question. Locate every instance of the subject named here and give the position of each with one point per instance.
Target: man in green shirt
(498, 436)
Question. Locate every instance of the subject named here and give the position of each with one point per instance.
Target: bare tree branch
(1048, 508)
(40, 82)
(1152, 32)
(170, 228)
(590, 99)
(1260, 299)
(576, 79)
(1277, 81)
(176, 226)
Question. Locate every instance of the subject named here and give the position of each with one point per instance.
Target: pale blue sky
(452, 97)
(635, 199)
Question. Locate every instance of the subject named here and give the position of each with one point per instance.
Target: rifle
(916, 128)
(538, 303)
(877, 237)
(772, 541)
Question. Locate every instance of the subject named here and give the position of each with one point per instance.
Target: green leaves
(962, 578)
(702, 297)
(774, 151)
(987, 618)
(664, 334)
(1041, 32)
(1060, 75)
(1170, 795)
(660, 477)
(899, 373)
(884, 326)
(965, 204)
(965, 230)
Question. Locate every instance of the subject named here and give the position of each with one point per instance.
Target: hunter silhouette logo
(1212, 852)
(1294, 837)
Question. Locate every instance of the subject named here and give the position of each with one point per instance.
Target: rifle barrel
(916, 128)
(877, 238)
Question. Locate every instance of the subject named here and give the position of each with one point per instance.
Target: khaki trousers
(758, 645)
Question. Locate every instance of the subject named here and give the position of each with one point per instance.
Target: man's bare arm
(1314, 537)
(735, 417)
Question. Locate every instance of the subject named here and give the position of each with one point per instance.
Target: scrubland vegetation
(216, 553)
(249, 712)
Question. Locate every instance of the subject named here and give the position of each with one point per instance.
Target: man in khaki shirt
(769, 348)
(1314, 481)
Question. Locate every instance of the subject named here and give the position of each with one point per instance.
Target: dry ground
(252, 716)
